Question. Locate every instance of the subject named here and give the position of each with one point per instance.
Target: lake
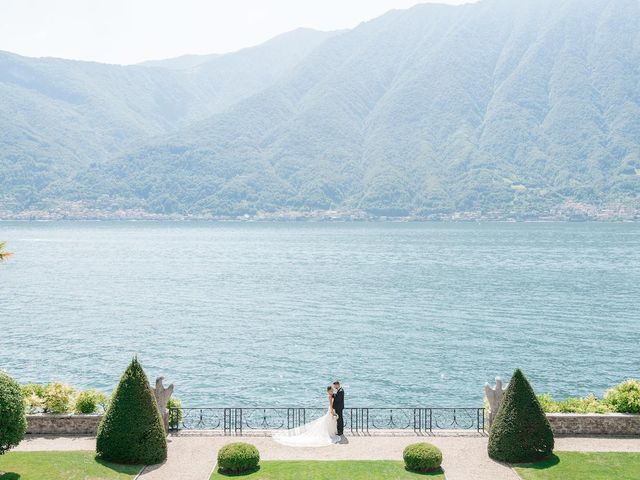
(268, 314)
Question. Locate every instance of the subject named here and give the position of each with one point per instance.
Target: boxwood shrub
(238, 457)
(132, 432)
(521, 431)
(422, 457)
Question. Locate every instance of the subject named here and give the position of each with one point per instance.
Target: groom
(338, 405)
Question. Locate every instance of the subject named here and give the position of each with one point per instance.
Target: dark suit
(338, 406)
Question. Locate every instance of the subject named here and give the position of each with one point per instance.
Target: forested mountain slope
(497, 106)
(57, 116)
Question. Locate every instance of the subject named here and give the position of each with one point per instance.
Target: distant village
(568, 211)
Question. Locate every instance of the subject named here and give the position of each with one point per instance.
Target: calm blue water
(244, 314)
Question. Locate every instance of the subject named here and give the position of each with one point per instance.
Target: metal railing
(356, 420)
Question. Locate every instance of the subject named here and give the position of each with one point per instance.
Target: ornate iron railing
(356, 420)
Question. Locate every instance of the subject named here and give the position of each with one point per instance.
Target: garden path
(192, 457)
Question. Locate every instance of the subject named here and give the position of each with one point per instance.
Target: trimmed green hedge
(422, 457)
(238, 457)
(13, 423)
(521, 432)
(132, 431)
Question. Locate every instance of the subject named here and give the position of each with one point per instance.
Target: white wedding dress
(319, 433)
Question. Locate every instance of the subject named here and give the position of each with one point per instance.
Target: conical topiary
(131, 431)
(521, 431)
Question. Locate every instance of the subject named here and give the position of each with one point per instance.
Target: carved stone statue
(162, 399)
(494, 397)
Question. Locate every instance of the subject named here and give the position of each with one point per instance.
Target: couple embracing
(326, 430)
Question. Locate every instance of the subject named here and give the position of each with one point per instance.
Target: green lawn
(319, 470)
(583, 465)
(61, 466)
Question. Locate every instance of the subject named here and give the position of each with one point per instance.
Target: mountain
(229, 78)
(183, 62)
(60, 116)
(498, 106)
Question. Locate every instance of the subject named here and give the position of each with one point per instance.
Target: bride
(319, 433)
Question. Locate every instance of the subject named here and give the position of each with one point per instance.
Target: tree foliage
(521, 431)
(3, 253)
(13, 423)
(424, 111)
(625, 397)
(132, 431)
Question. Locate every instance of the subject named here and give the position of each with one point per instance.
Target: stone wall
(63, 424)
(594, 424)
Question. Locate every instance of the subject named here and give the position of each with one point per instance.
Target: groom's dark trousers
(340, 421)
(338, 406)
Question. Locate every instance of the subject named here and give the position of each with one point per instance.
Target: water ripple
(258, 314)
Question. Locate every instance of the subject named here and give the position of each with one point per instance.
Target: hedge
(422, 457)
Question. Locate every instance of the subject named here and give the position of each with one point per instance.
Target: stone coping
(597, 415)
(609, 424)
(64, 415)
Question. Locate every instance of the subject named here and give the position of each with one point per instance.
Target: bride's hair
(329, 388)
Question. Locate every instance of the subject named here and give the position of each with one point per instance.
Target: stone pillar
(162, 398)
(494, 397)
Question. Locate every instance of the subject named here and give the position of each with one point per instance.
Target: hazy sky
(130, 31)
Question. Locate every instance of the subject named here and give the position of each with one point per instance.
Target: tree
(131, 431)
(521, 431)
(13, 423)
(3, 253)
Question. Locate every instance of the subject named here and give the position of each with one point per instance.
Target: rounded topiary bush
(132, 431)
(238, 458)
(520, 431)
(13, 423)
(422, 457)
(625, 397)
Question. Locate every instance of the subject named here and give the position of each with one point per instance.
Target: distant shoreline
(568, 211)
(317, 220)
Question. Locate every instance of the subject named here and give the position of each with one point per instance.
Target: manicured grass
(319, 470)
(61, 466)
(583, 465)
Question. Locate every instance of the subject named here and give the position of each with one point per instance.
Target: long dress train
(318, 433)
